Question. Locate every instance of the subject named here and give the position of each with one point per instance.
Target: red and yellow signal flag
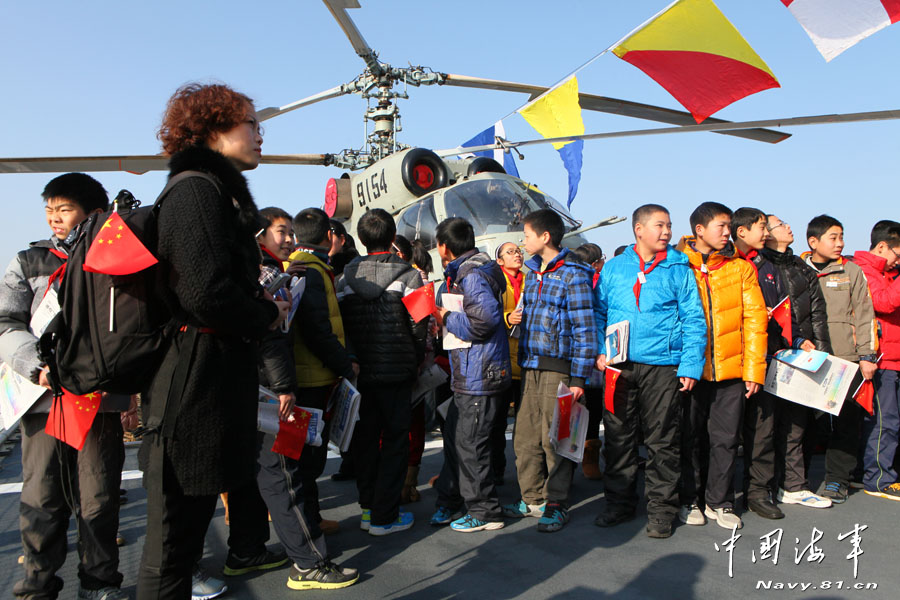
(71, 417)
(117, 250)
(420, 303)
(609, 388)
(694, 52)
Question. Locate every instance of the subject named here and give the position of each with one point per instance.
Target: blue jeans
(880, 432)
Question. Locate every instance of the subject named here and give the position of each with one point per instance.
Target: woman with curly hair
(210, 261)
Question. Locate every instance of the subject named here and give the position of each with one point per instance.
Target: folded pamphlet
(617, 343)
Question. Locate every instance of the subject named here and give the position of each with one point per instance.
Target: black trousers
(176, 528)
(248, 530)
(281, 486)
(649, 393)
(791, 420)
(759, 445)
(841, 455)
(57, 481)
(467, 476)
(381, 448)
(710, 432)
(314, 458)
(512, 395)
(593, 401)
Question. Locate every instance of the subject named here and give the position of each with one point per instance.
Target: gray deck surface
(581, 561)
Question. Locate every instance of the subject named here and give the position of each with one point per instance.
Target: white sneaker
(724, 517)
(691, 515)
(803, 498)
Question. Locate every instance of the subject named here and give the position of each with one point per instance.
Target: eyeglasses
(783, 223)
(897, 254)
(512, 251)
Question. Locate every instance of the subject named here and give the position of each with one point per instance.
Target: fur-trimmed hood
(201, 158)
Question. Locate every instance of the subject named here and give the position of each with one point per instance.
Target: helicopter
(419, 186)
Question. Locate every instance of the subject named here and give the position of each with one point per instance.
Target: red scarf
(515, 279)
(58, 273)
(540, 275)
(706, 270)
(277, 260)
(642, 275)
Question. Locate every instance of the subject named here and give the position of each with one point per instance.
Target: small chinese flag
(420, 303)
(564, 399)
(71, 417)
(117, 251)
(865, 395)
(292, 434)
(609, 389)
(782, 315)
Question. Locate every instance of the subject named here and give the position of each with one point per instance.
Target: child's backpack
(111, 332)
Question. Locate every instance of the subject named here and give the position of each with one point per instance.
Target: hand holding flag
(609, 389)
(865, 396)
(292, 434)
(564, 399)
(420, 303)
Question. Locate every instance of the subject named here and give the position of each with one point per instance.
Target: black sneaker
(239, 565)
(838, 492)
(659, 528)
(611, 519)
(324, 576)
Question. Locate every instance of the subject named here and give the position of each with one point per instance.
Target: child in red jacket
(880, 429)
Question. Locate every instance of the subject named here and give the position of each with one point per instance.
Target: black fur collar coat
(210, 258)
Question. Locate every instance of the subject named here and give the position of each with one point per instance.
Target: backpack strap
(176, 179)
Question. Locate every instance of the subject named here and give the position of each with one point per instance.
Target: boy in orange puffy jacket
(735, 369)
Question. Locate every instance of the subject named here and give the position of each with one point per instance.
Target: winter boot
(410, 492)
(590, 464)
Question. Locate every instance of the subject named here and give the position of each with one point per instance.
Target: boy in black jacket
(748, 229)
(390, 347)
(809, 332)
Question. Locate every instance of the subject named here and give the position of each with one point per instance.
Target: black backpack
(111, 332)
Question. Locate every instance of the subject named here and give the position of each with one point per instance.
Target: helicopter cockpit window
(419, 222)
(491, 205)
(545, 201)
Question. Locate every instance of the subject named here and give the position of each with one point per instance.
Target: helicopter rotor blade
(338, 10)
(615, 106)
(883, 115)
(136, 164)
(272, 111)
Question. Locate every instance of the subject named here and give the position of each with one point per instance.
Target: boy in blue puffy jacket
(557, 345)
(479, 376)
(652, 287)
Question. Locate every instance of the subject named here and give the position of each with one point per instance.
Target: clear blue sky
(93, 77)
